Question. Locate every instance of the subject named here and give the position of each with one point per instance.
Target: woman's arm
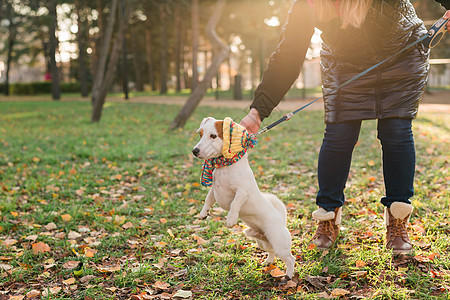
(286, 62)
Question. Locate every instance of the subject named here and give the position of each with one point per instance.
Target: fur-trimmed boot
(328, 227)
(396, 219)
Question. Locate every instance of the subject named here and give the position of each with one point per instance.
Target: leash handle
(436, 33)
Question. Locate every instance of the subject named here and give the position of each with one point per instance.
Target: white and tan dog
(234, 188)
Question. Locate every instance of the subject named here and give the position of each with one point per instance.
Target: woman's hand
(447, 16)
(252, 121)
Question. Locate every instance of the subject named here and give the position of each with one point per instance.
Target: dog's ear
(219, 129)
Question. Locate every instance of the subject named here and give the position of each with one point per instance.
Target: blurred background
(156, 47)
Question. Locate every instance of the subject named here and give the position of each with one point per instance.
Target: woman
(356, 34)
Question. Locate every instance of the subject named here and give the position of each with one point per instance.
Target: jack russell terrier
(223, 145)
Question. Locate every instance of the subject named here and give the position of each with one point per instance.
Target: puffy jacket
(393, 90)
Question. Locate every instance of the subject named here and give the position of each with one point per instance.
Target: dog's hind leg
(262, 242)
(209, 202)
(281, 243)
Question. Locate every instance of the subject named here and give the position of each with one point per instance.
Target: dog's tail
(277, 204)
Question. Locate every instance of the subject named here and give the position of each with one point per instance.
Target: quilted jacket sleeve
(286, 62)
(444, 3)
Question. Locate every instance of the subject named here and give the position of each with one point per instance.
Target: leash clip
(289, 116)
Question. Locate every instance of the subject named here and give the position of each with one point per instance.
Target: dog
(234, 189)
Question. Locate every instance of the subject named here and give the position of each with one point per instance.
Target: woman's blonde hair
(352, 12)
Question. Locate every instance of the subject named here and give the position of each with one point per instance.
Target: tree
(221, 53)
(53, 44)
(195, 33)
(81, 39)
(10, 16)
(105, 74)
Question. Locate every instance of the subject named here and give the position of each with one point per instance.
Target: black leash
(429, 40)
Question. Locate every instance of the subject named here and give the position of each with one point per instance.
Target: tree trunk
(164, 48)
(56, 90)
(195, 16)
(220, 54)
(137, 65)
(11, 41)
(81, 39)
(178, 45)
(97, 105)
(148, 51)
(103, 56)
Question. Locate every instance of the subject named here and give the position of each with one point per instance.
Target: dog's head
(211, 139)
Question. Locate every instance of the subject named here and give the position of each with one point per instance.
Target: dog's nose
(195, 151)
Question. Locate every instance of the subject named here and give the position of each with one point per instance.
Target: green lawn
(108, 210)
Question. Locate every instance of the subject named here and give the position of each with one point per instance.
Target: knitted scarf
(236, 142)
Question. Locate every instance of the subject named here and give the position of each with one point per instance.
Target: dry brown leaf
(339, 292)
(127, 225)
(160, 263)
(73, 235)
(108, 269)
(277, 273)
(33, 294)
(161, 285)
(119, 220)
(70, 264)
(89, 252)
(32, 238)
(40, 248)
(9, 242)
(19, 297)
(69, 281)
(360, 263)
(66, 217)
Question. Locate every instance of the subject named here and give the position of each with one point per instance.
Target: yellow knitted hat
(235, 138)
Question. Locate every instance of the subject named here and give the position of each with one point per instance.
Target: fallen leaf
(182, 294)
(277, 273)
(40, 248)
(160, 263)
(161, 285)
(33, 294)
(108, 269)
(5, 267)
(9, 242)
(70, 264)
(371, 163)
(89, 252)
(66, 217)
(360, 273)
(73, 235)
(127, 225)
(119, 220)
(19, 297)
(339, 292)
(69, 281)
(50, 226)
(163, 220)
(360, 263)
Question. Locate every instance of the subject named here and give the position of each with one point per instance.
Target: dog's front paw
(231, 222)
(203, 215)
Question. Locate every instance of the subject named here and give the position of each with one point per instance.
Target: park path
(435, 101)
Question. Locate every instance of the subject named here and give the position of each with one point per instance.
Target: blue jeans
(399, 159)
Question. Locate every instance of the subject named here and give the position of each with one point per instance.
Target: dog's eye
(213, 136)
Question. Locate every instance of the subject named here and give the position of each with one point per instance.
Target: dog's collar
(221, 161)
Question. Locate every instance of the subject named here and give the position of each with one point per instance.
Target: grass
(116, 204)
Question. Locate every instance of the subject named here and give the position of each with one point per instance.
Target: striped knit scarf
(246, 141)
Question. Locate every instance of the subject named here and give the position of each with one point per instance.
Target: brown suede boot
(328, 227)
(396, 220)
